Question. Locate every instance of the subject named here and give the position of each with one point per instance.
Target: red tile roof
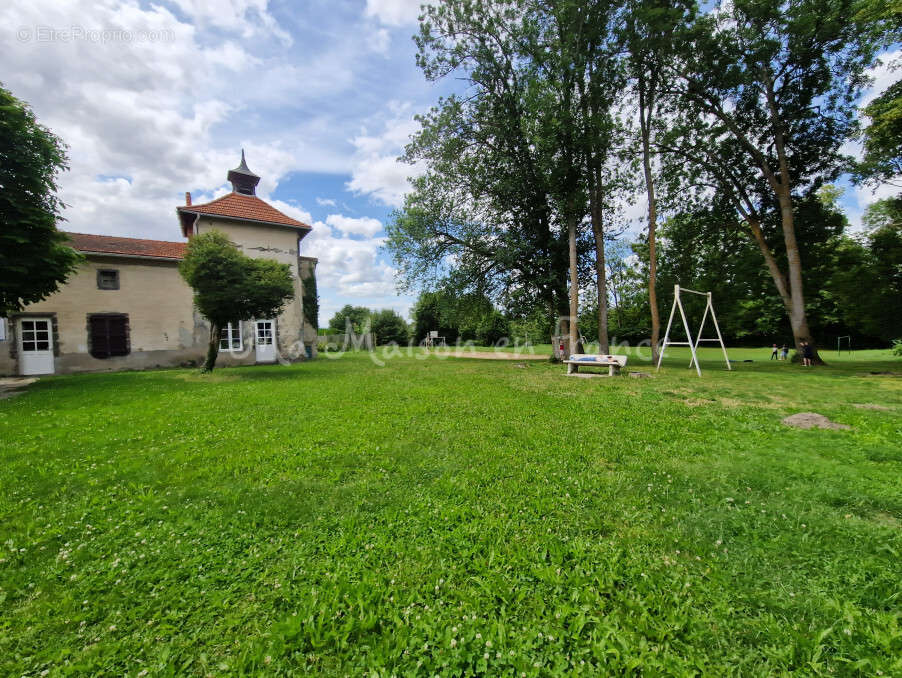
(240, 206)
(108, 244)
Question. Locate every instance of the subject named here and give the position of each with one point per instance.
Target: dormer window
(107, 279)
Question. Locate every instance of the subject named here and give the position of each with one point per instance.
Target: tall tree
(648, 37)
(600, 89)
(485, 198)
(771, 86)
(230, 286)
(558, 49)
(34, 256)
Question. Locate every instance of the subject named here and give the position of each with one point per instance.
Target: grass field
(454, 517)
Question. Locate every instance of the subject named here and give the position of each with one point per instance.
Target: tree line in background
(856, 282)
(386, 326)
(728, 123)
(469, 317)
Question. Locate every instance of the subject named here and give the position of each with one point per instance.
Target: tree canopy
(350, 318)
(230, 286)
(34, 256)
(389, 327)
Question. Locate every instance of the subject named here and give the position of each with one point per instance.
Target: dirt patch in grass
(885, 518)
(871, 406)
(730, 403)
(813, 420)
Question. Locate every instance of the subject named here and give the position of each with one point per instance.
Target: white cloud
(394, 12)
(377, 172)
(168, 115)
(249, 17)
(365, 226)
(325, 202)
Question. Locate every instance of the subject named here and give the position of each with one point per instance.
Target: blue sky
(156, 99)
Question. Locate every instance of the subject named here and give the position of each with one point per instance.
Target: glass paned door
(265, 340)
(35, 346)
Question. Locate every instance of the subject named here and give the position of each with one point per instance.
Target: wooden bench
(612, 362)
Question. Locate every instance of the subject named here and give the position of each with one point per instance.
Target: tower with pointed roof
(242, 179)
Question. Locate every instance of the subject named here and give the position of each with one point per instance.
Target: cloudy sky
(155, 99)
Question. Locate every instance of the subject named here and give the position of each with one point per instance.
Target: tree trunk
(652, 250)
(574, 285)
(601, 282)
(212, 349)
(772, 266)
(798, 318)
(604, 341)
(645, 112)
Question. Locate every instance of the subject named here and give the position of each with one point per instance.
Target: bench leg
(572, 369)
(613, 370)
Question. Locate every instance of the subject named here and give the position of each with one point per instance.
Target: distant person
(784, 352)
(773, 353)
(807, 354)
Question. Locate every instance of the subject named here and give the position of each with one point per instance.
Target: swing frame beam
(693, 346)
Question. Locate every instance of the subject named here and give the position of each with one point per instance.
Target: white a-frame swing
(693, 346)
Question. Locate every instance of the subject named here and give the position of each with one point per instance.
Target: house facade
(127, 306)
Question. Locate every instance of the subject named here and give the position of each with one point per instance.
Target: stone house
(127, 306)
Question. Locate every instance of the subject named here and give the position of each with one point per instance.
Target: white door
(265, 341)
(35, 346)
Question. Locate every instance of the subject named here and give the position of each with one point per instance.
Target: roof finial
(243, 180)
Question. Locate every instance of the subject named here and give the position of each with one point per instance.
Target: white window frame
(3, 329)
(230, 329)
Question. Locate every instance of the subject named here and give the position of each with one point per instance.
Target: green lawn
(454, 517)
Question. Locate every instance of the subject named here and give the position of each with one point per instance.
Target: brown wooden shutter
(109, 335)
